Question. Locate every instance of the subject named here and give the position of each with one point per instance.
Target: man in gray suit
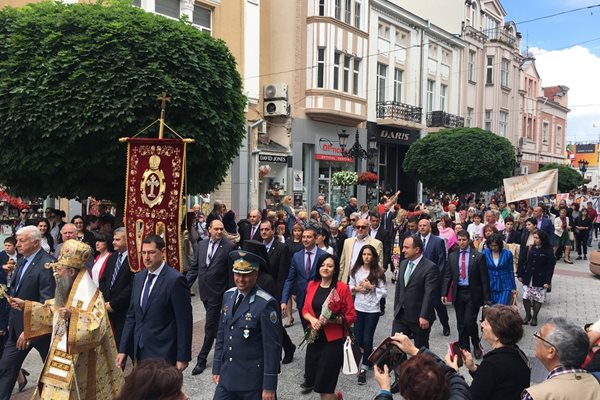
(416, 289)
(31, 281)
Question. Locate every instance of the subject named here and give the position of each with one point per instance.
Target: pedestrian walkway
(574, 295)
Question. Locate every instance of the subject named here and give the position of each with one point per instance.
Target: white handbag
(350, 366)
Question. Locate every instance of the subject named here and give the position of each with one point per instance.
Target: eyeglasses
(537, 336)
(361, 227)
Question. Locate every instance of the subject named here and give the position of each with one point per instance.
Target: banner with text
(155, 174)
(532, 185)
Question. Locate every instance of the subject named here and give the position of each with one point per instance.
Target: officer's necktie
(212, 252)
(237, 303)
(21, 273)
(147, 291)
(408, 272)
(117, 268)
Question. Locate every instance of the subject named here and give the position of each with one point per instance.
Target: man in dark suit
(302, 270)
(416, 288)
(387, 218)
(467, 269)
(278, 265)
(211, 267)
(336, 238)
(31, 281)
(434, 249)
(159, 319)
(116, 283)
(251, 231)
(543, 222)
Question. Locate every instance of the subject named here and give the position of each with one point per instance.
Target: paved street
(574, 295)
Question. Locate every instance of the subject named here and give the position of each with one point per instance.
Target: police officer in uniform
(248, 349)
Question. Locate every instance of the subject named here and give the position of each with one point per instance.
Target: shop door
(331, 193)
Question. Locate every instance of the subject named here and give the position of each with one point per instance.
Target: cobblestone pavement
(574, 295)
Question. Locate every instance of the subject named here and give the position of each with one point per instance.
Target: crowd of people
(334, 265)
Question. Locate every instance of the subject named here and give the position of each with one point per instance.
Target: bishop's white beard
(63, 287)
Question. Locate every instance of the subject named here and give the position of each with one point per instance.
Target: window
(398, 85)
(443, 94)
(357, 7)
(430, 92)
(320, 67)
(348, 12)
(559, 136)
(336, 70)
(504, 68)
(474, 15)
(488, 120)
(489, 76)
(545, 132)
(469, 121)
(472, 65)
(355, 81)
(528, 125)
(381, 77)
(202, 18)
(502, 121)
(338, 9)
(347, 60)
(170, 8)
(321, 8)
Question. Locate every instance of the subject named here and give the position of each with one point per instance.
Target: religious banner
(154, 187)
(531, 185)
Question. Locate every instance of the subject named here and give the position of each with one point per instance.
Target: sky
(567, 52)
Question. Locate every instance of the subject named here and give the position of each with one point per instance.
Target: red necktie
(463, 265)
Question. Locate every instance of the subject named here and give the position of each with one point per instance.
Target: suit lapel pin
(248, 317)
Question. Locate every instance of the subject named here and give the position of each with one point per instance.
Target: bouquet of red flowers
(333, 308)
(365, 178)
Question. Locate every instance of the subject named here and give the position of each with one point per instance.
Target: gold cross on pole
(164, 98)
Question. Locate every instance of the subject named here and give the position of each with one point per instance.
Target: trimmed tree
(461, 160)
(74, 78)
(568, 178)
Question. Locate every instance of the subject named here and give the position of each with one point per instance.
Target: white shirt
(475, 230)
(415, 262)
(425, 239)
(156, 273)
(358, 244)
(268, 245)
(373, 232)
(367, 302)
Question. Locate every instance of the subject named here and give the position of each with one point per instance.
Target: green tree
(461, 160)
(568, 178)
(74, 78)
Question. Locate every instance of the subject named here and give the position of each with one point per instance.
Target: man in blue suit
(159, 319)
(434, 249)
(30, 281)
(248, 346)
(302, 270)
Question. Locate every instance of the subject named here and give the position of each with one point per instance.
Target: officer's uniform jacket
(248, 349)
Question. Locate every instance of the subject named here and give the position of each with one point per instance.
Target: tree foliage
(568, 178)
(74, 78)
(461, 160)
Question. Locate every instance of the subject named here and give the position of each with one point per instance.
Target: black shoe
(534, 321)
(584, 257)
(24, 383)
(527, 320)
(306, 387)
(578, 258)
(362, 377)
(289, 355)
(199, 368)
(446, 331)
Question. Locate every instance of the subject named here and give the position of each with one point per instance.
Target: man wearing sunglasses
(352, 247)
(562, 347)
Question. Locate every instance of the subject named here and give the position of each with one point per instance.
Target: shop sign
(273, 158)
(392, 135)
(328, 151)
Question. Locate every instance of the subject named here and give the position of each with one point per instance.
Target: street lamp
(356, 151)
(518, 158)
(583, 165)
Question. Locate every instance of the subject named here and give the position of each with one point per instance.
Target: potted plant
(367, 178)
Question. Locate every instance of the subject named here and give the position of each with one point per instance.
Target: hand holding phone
(454, 350)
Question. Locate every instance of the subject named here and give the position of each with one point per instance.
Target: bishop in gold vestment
(80, 364)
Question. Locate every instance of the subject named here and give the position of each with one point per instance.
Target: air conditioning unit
(275, 91)
(524, 170)
(276, 107)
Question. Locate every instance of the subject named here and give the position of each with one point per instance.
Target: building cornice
(330, 20)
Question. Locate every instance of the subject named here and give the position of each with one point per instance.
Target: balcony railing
(445, 120)
(397, 110)
(500, 35)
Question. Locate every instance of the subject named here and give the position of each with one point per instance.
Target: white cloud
(577, 68)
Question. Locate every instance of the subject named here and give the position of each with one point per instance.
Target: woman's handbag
(352, 353)
(571, 236)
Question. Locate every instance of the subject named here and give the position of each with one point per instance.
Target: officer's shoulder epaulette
(233, 289)
(264, 295)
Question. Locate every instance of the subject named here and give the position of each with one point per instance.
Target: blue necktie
(147, 291)
(117, 268)
(21, 273)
